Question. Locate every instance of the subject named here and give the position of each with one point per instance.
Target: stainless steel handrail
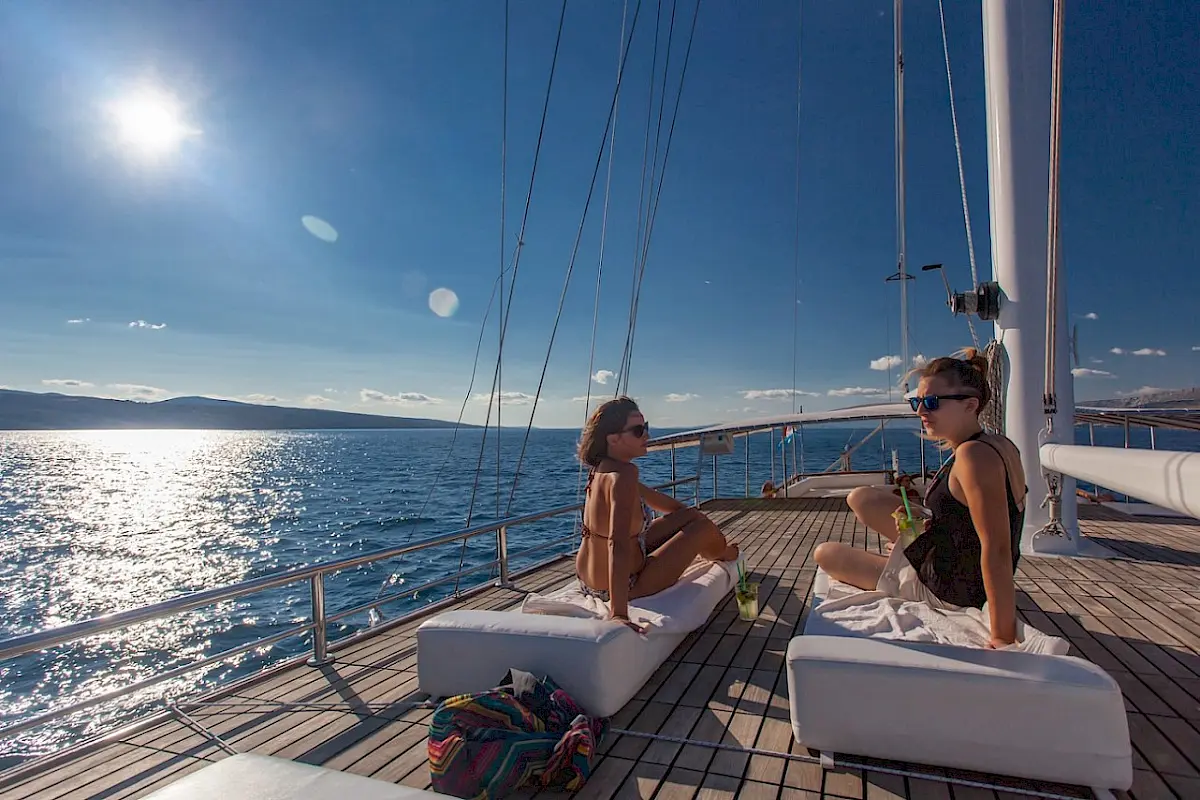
(315, 574)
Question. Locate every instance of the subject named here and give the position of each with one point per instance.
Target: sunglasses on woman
(932, 401)
(639, 430)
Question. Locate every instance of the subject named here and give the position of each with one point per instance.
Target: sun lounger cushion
(253, 777)
(600, 663)
(1023, 714)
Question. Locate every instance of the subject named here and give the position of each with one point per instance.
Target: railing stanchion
(673, 495)
(502, 556)
(320, 656)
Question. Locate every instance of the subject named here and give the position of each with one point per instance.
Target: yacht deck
(1138, 618)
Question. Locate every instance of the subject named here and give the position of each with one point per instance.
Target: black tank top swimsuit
(948, 556)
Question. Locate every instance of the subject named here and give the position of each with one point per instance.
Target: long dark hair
(609, 418)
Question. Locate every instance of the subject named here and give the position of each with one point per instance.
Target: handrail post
(320, 656)
(714, 497)
(502, 556)
(673, 494)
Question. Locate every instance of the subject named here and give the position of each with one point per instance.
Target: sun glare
(150, 123)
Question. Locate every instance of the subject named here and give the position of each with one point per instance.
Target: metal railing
(319, 617)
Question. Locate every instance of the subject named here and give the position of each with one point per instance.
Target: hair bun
(975, 359)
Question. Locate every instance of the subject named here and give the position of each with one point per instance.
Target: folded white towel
(682, 608)
(848, 611)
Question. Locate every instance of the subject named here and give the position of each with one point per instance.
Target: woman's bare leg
(874, 507)
(851, 565)
(698, 537)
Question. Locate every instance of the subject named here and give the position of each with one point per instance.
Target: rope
(992, 417)
(962, 179)
(831, 763)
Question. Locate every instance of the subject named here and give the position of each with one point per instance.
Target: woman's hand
(628, 623)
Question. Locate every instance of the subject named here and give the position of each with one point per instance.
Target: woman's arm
(663, 503)
(980, 473)
(624, 500)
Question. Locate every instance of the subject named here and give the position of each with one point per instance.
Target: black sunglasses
(639, 430)
(932, 401)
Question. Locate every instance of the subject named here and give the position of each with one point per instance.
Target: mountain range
(54, 411)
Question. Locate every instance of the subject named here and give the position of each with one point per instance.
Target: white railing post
(320, 656)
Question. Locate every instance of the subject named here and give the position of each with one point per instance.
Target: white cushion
(1053, 718)
(601, 663)
(247, 776)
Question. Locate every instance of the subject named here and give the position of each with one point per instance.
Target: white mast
(1017, 51)
(901, 265)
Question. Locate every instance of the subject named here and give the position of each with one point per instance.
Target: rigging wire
(612, 143)
(574, 255)
(496, 397)
(514, 264)
(637, 238)
(503, 234)
(653, 211)
(962, 179)
(796, 264)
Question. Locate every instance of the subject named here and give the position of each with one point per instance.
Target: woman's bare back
(592, 560)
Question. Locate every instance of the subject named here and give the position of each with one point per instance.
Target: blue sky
(131, 272)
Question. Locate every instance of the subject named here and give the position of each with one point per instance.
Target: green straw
(741, 576)
(907, 508)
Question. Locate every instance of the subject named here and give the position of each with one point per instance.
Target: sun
(150, 123)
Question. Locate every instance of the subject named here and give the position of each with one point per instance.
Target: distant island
(34, 411)
(1165, 398)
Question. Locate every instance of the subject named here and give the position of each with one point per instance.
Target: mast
(1017, 55)
(901, 265)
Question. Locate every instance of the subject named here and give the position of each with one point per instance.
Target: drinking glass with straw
(747, 595)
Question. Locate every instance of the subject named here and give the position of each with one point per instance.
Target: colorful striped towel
(526, 732)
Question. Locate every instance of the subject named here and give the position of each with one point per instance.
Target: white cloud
(137, 391)
(404, 398)
(262, 398)
(71, 383)
(583, 398)
(1117, 351)
(328, 390)
(775, 394)
(316, 400)
(675, 397)
(886, 362)
(919, 360)
(1149, 351)
(1095, 361)
(154, 326)
(1084, 372)
(1091, 315)
(1195, 347)
(856, 391)
(602, 376)
(79, 320)
(506, 398)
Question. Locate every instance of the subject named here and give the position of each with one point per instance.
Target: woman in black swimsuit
(625, 552)
(968, 551)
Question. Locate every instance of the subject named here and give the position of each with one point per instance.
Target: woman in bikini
(967, 553)
(626, 553)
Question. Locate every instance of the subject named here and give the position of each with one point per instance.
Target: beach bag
(525, 732)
